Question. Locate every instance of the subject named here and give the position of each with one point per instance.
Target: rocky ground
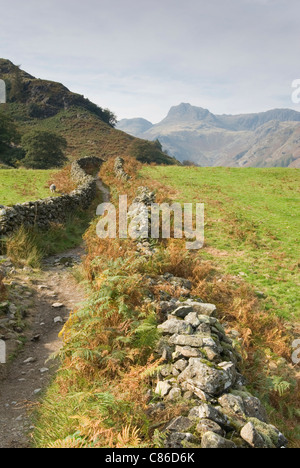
(31, 319)
(201, 365)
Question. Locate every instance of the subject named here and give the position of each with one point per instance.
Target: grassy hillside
(252, 225)
(85, 132)
(99, 395)
(20, 185)
(36, 104)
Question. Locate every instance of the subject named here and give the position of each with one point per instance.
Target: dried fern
(69, 442)
(128, 437)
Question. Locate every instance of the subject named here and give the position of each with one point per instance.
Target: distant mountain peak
(135, 127)
(187, 112)
(264, 139)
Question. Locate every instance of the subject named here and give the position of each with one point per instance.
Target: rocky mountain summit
(46, 98)
(266, 139)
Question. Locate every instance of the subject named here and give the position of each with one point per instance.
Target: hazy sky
(139, 58)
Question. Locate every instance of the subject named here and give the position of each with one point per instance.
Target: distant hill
(46, 105)
(134, 127)
(266, 139)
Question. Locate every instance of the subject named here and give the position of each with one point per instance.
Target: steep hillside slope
(266, 139)
(45, 105)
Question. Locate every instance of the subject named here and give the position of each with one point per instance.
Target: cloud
(139, 58)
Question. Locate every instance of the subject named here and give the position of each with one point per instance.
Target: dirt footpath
(54, 294)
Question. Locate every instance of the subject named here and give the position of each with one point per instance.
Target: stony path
(104, 190)
(29, 374)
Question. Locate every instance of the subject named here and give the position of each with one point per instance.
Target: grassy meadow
(98, 397)
(27, 246)
(22, 185)
(252, 225)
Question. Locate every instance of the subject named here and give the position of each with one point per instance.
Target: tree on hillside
(105, 114)
(9, 137)
(188, 163)
(8, 132)
(150, 152)
(44, 150)
(109, 117)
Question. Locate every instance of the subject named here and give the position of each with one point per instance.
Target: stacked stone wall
(41, 213)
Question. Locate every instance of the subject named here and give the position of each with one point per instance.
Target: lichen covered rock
(202, 370)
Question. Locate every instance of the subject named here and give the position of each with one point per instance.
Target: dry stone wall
(119, 169)
(201, 368)
(201, 365)
(53, 209)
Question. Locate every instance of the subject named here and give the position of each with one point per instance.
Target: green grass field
(252, 225)
(21, 185)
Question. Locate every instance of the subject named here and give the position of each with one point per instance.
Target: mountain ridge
(264, 139)
(44, 105)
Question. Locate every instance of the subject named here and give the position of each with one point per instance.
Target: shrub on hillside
(190, 163)
(9, 137)
(105, 114)
(36, 111)
(150, 152)
(44, 150)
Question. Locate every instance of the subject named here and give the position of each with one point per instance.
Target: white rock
(251, 435)
(187, 340)
(29, 360)
(57, 305)
(58, 320)
(192, 319)
(211, 380)
(175, 326)
(174, 394)
(163, 388)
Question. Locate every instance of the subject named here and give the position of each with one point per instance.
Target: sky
(139, 57)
